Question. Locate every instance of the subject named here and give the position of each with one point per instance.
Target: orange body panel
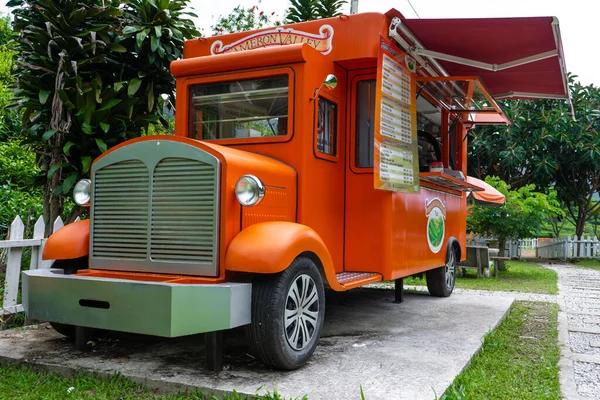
(277, 177)
(146, 277)
(269, 247)
(321, 204)
(227, 62)
(70, 241)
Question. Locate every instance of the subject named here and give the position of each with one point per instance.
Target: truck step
(351, 280)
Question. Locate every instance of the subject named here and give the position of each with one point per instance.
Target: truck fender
(452, 241)
(270, 247)
(70, 241)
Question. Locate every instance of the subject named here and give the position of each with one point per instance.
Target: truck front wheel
(288, 311)
(440, 281)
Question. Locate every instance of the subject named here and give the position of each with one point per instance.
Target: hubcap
(450, 270)
(301, 312)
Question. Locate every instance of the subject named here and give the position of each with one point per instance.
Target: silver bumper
(152, 308)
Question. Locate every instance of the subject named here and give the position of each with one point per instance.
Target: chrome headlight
(249, 190)
(82, 192)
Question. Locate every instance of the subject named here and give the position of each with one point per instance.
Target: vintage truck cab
(310, 156)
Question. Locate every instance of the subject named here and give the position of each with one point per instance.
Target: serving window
(238, 109)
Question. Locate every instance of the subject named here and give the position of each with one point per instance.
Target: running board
(350, 280)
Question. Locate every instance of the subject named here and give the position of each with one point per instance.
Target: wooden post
(399, 290)
(58, 223)
(478, 262)
(214, 351)
(13, 265)
(36, 251)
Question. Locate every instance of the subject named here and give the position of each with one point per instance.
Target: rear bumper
(152, 308)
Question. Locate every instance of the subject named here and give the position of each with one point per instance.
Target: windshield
(251, 108)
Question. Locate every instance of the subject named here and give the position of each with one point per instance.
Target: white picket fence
(15, 245)
(512, 248)
(566, 248)
(530, 243)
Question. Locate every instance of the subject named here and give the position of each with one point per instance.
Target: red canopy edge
(516, 58)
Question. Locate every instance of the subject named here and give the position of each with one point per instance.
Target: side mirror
(330, 82)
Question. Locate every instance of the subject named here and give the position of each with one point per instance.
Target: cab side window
(365, 123)
(327, 127)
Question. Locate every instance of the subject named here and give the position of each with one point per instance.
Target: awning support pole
(397, 23)
(393, 32)
(483, 65)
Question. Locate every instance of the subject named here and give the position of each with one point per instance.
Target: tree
(17, 165)
(17, 196)
(9, 119)
(242, 19)
(307, 10)
(546, 146)
(301, 10)
(522, 215)
(329, 8)
(90, 75)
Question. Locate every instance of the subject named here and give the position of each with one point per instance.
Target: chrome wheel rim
(301, 313)
(450, 270)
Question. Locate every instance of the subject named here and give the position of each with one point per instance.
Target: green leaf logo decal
(436, 225)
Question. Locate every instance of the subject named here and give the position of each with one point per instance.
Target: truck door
(363, 239)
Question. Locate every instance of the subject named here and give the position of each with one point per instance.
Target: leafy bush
(18, 196)
(523, 214)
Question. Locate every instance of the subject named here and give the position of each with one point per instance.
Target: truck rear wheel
(440, 281)
(288, 311)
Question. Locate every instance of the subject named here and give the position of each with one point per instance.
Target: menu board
(396, 158)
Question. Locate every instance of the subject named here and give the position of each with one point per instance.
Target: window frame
(245, 75)
(362, 76)
(336, 141)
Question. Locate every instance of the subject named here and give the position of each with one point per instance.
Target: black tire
(64, 329)
(71, 266)
(277, 345)
(440, 281)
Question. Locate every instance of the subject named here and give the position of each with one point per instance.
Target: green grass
(17, 382)
(519, 276)
(588, 263)
(519, 360)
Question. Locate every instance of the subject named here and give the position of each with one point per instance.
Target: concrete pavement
(411, 350)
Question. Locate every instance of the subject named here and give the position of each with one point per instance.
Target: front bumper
(152, 308)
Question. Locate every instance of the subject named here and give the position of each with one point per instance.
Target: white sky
(579, 25)
(580, 28)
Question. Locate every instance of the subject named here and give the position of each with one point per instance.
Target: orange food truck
(325, 154)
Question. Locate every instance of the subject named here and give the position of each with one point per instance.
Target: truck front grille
(183, 211)
(156, 216)
(121, 211)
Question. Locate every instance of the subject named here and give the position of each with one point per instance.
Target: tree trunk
(53, 204)
(580, 225)
(74, 214)
(501, 251)
(581, 220)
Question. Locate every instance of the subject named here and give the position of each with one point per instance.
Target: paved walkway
(579, 330)
(578, 325)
